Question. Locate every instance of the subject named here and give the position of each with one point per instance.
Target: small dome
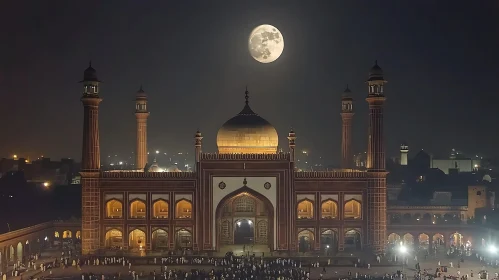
(376, 73)
(346, 95)
(247, 133)
(90, 74)
(141, 93)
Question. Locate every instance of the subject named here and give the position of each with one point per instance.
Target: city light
(46, 184)
(157, 152)
(15, 156)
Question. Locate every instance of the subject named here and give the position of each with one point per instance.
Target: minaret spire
(376, 173)
(90, 163)
(141, 115)
(246, 96)
(346, 133)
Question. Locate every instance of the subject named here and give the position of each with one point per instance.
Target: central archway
(245, 218)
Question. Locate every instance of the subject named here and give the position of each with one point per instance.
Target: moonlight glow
(265, 43)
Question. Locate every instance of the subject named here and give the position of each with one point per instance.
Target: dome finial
(90, 63)
(246, 96)
(141, 88)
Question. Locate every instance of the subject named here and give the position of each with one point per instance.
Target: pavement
(471, 264)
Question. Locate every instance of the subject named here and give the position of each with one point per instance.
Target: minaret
(376, 193)
(90, 163)
(199, 139)
(404, 150)
(346, 133)
(141, 114)
(292, 145)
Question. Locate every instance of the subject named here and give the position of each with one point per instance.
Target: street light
(402, 250)
(492, 249)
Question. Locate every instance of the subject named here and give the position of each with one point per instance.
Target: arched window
(353, 209)
(329, 209)
(114, 209)
(66, 234)
(183, 209)
(159, 239)
(138, 209)
(160, 209)
(244, 204)
(114, 238)
(137, 239)
(78, 235)
(305, 209)
(56, 234)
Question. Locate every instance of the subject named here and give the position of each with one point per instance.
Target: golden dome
(247, 133)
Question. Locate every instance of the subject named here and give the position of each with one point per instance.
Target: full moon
(265, 43)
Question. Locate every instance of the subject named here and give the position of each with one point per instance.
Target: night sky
(440, 58)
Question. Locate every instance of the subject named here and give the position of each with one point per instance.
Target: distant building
(41, 170)
(457, 165)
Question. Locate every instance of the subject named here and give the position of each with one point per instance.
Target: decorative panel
(163, 196)
(133, 196)
(325, 197)
(118, 196)
(310, 197)
(353, 196)
(183, 196)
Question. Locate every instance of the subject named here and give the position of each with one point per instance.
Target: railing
(37, 228)
(329, 174)
(25, 231)
(153, 175)
(427, 207)
(217, 156)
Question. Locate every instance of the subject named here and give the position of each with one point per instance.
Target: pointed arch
(424, 239)
(138, 209)
(183, 209)
(264, 207)
(137, 239)
(393, 238)
(78, 234)
(66, 234)
(306, 240)
(159, 239)
(183, 238)
(20, 251)
(329, 209)
(352, 209)
(305, 209)
(353, 239)
(114, 208)
(408, 239)
(160, 209)
(114, 238)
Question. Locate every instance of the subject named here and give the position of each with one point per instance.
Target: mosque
(247, 196)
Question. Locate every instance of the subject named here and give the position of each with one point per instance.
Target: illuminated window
(114, 209)
(78, 235)
(56, 234)
(329, 209)
(160, 209)
(183, 209)
(66, 234)
(138, 209)
(305, 209)
(114, 238)
(353, 209)
(137, 239)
